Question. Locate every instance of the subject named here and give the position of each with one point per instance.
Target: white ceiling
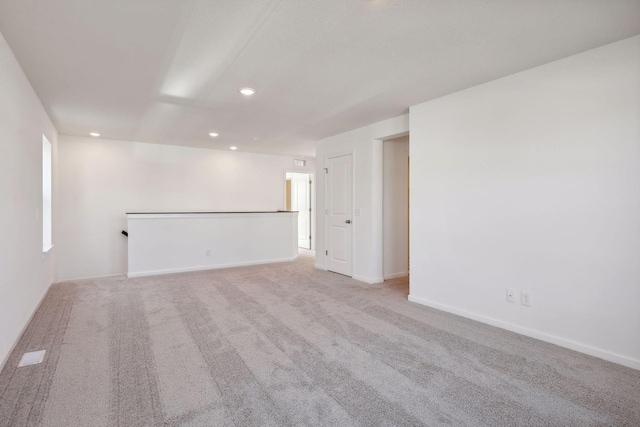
(168, 71)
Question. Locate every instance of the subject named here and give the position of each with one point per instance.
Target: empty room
(319, 213)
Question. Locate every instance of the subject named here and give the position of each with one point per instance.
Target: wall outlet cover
(525, 298)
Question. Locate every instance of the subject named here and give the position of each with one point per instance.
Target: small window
(47, 242)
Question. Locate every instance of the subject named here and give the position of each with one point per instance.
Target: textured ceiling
(168, 71)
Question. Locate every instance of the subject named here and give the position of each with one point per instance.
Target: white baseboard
(73, 279)
(209, 267)
(5, 359)
(370, 280)
(395, 275)
(533, 333)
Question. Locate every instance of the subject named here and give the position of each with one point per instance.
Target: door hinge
(309, 209)
(326, 252)
(326, 170)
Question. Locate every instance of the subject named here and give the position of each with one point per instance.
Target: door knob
(348, 221)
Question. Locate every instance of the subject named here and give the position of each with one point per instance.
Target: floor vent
(32, 358)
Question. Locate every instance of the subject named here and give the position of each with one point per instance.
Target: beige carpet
(285, 344)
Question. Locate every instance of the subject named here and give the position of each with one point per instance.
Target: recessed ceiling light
(213, 134)
(94, 134)
(233, 148)
(247, 91)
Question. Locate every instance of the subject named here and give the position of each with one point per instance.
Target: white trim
(370, 280)
(533, 333)
(133, 216)
(208, 267)
(325, 209)
(354, 223)
(24, 328)
(395, 275)
(320, 267)
(394, 136)
(377, 203)
(46, 249)
(338, 154)
(46, 212)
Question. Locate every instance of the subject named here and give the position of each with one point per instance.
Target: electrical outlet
(525, 298)
(511, 295)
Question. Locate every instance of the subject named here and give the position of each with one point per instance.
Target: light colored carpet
(286, 344)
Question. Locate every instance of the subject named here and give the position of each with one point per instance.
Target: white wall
(367, 148)
(395, 207)
(173, 243)
(533, 182)
(25, 272)
(101, 180)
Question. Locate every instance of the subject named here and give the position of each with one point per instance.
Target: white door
(339, 208)
(301, 202)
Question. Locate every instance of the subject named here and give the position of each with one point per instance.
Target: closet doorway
(396, 208)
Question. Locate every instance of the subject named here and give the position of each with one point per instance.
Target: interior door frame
(353, 205)
(312, 200)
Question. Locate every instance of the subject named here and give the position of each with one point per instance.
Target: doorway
(298, 192)
(395, 208)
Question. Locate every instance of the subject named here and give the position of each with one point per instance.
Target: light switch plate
(525, 298)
